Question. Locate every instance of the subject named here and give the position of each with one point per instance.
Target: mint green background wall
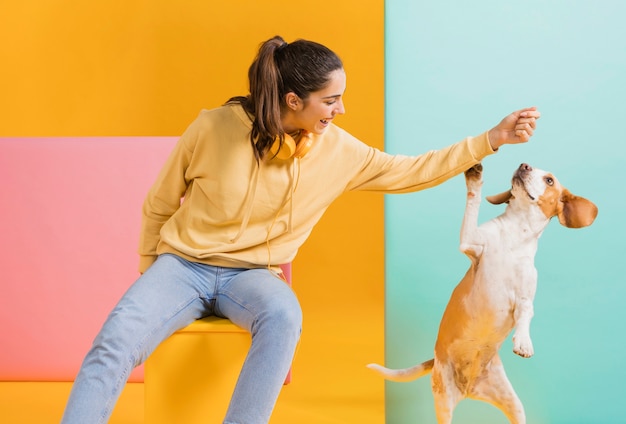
(454, 69)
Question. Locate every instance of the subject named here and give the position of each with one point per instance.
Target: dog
(496, 295)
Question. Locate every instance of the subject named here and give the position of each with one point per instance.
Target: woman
(255, 176)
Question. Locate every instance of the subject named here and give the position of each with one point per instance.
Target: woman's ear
(292, 100)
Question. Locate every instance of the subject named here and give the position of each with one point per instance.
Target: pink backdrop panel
(69, 229)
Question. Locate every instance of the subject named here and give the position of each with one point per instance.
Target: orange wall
(112, 68)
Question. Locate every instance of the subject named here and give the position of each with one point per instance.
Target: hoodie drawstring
(249, 206)
(295, 179)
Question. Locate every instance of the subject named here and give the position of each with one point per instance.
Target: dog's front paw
(473, 178)
(523, 347)
(475, 172)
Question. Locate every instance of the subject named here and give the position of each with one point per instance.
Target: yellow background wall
(132, 67)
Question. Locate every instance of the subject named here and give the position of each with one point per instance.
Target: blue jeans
(171, 294)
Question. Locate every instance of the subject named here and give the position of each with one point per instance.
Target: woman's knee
(118, 343)
(287, 312)
(282, 317)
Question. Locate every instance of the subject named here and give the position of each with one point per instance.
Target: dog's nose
(525, 167)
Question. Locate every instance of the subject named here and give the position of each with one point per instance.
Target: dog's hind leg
(494, 387)
(446, 394)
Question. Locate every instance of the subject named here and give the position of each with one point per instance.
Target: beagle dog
(496, 295)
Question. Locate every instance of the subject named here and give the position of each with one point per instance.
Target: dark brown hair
(301, 67)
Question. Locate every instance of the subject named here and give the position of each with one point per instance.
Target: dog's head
(536, 187)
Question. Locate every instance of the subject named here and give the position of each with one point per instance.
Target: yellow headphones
(292, 148)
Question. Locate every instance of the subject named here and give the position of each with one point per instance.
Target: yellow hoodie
(213, 203)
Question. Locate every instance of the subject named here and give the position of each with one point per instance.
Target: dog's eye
(549, 181)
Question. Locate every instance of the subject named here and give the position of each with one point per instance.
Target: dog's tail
(405, 374)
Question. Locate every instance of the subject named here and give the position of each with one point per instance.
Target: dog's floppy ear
(497, 199)
(577, 212)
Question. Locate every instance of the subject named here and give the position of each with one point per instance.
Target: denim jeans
(171, 294)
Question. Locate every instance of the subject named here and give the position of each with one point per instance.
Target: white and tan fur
(496, 295)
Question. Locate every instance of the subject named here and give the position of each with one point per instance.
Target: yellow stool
(191, 376)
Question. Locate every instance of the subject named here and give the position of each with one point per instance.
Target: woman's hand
(516, 128)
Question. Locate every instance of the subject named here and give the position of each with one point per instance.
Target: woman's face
(315, 113)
